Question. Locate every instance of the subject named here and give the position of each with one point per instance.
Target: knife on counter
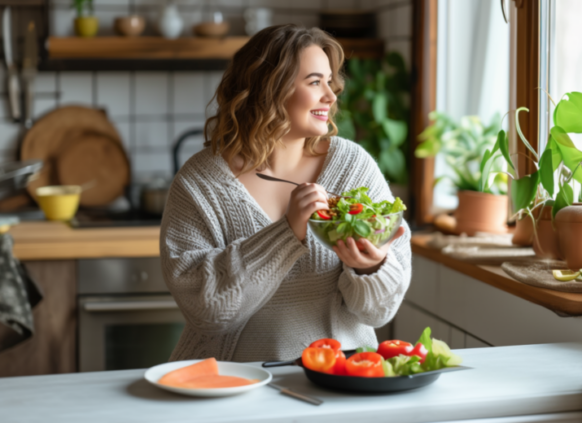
(296, 395)
(29, 65)
(12, 82)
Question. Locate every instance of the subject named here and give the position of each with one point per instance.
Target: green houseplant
(86, 25)
(373, 111)
(463, 145)
(539, 197)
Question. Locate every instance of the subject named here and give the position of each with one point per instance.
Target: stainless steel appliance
(127, 317)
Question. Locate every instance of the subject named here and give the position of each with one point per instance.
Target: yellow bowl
(59, 202)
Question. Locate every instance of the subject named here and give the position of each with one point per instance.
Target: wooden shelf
(156, 53)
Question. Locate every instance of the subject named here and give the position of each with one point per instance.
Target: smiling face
(313, 97)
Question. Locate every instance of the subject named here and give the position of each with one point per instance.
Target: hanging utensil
(29, 65)
(13, 82)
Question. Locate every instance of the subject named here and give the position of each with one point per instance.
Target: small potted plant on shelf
(86, 25)
(482, 208)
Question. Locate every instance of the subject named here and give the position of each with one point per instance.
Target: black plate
(367, 384)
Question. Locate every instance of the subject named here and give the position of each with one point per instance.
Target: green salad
(357, 217)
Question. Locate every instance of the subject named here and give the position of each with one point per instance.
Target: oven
(127, 317)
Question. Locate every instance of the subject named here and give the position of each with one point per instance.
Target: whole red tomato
(420, 351)
(393, 348)
(365, 364)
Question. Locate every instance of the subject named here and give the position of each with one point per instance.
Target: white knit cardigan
(248, 288)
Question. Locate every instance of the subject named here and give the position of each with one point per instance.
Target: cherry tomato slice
(319, 359)
(324, 214)
(420, 351)
(356, 208)
(394, 348)
(365, 364)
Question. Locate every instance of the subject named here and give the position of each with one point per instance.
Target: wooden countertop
(562, 303)
(58, 241)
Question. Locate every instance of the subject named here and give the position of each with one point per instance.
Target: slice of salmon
(208, 367)
(216, 381)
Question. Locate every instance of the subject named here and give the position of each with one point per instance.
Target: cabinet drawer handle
(131, 305)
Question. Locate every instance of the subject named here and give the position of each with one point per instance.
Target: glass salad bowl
(377, 231)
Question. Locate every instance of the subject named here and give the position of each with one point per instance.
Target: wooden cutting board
(95, 160)
(58, 131)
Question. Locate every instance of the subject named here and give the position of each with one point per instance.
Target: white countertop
(504, 381)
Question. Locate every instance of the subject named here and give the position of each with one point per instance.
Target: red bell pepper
(319, 359)
(339, 367)
(365, 364)
(393, 348)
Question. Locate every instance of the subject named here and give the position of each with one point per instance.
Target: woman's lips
(320, 117)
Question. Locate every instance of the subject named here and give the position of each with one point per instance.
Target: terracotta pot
(546, 244)
(480, 212)
(569, 228)
(524, 233)
(129, 26)
(86, 26)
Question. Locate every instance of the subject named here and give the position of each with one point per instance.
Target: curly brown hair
(251, 119)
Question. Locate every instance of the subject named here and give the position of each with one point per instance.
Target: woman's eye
(315, 83)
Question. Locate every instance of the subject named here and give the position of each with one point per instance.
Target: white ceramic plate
(153, 374)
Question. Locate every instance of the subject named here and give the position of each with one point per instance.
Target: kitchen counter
(504, 381)
(562, 303)
(58, 241)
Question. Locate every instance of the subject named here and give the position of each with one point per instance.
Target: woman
(251, 281)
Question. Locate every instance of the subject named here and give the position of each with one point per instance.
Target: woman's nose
(329, 96)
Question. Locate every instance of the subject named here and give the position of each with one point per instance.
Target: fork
(271, 178)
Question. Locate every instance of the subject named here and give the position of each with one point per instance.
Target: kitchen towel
(18, 295)
(483, 248)
(538, 273)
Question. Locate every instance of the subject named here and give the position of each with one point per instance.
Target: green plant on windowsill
(373, 111)
(463, 145)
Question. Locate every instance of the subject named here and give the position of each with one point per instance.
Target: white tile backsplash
(145, 165)
(151, 93)
(113, 93)
(152, 135)
(124, 129)
(43, 106)
(76, 88)
(9, 134)
(189, 93)
(45, 82)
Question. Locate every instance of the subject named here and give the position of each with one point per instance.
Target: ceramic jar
(129, 26)
(545, 245)
(523, 234)
(569, 227)
(170, 24)
(481, 212)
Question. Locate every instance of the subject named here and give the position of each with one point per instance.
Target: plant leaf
(428, 148)
(362, 228)
(547, 171)
(570, 154)
(503, 142)
(396, 130)
(523, 190)
(393, 163)
(564, 198)
(568, 113)
(379, 107)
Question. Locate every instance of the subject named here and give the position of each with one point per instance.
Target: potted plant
(86, 25)
(463, 144)
(373, 111)
(536, 201)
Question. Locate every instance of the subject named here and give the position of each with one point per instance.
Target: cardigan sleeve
(219, 289)
(374, 299)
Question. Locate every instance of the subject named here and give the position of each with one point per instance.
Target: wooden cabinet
(52, 348)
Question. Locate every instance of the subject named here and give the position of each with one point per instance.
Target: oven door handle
(101, 306)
